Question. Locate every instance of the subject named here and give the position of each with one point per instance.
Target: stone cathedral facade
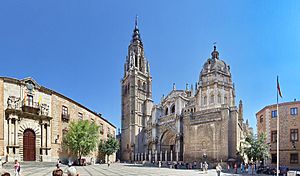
(201, 123)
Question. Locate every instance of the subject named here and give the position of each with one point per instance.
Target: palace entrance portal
(29, 145)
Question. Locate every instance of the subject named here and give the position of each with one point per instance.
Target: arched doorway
(168, 144)
(28, 145)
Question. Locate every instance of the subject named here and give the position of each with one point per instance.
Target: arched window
(204, 100)
(219, 98)
(166, 111)
(139, 84)
(136, 61)
(225, 100)
(173, 109)
(140, 62)
(212, 97)
(144, 86)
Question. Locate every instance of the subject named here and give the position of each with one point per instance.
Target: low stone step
(27, 164)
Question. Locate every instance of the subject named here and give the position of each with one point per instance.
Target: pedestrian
(228, 167)
(17, 168)
(242, 167)
(252, 168)
(218, 169)
(58, 163)
(235, 168)
(201, 166)
(71, 170)
(194, 165)
(159, 164)
(57, 172)
(205, 166)
(108, 163)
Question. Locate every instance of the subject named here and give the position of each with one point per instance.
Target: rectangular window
(261, 119)
(274, 136)
(294, 134)
(29, 100)
(101, 128)
(294, 111)
(108, 131)
(274, 158)
(64, 110)
(80, 116)
(294, 158)
(274, 113)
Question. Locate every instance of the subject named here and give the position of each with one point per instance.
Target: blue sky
(78, 48)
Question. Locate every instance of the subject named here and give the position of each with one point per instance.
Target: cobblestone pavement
(116, 169)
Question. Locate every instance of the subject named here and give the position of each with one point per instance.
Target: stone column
(48, 139)
(42, 134)
(132, 156)
(171, 159)
(9, 131)
(166, 155)
(17, 132)
(155, 155)
(160, 156)
(149, 155)
(176, 155)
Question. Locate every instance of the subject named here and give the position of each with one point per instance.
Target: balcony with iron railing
(29, 109)
(33, 107)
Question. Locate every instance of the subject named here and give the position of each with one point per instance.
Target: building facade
(289, 120)
(33, 120)
(201, 123)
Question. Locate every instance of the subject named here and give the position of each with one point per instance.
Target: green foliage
(81, 138)
(256, 148)
(109, 147)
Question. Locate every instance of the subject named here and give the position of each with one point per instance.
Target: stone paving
(116, 169)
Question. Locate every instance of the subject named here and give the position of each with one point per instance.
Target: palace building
(33, 120)
(289, 120)
(201, 123)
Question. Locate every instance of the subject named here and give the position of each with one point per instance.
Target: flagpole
(277, 168)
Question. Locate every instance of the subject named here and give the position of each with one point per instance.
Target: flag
(278, 88)
(40, 100)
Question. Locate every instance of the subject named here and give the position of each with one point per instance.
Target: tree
(256, 148)
(108, 147)
(81, 138)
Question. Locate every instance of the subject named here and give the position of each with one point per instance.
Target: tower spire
(136, 22)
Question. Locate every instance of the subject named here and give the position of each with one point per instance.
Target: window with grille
(274, 136)
(294, 158)
(294, 134)
(274, 158)
(274, 113)
(294, 111)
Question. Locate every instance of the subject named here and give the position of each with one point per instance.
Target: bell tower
(136, 93)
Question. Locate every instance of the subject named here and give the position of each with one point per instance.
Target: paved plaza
(116, 169)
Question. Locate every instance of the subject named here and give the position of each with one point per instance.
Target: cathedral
(201, 123)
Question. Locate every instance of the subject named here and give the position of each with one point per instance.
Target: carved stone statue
(13, 102)
(44, 109)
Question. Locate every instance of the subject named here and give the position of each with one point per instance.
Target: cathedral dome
(214, 65)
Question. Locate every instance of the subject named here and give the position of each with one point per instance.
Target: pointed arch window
(173, 109)
(204, 100)
(144, 86)
(212, 97)
(166, 111)
(140, 63)
(136, 61)
(219, 98)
